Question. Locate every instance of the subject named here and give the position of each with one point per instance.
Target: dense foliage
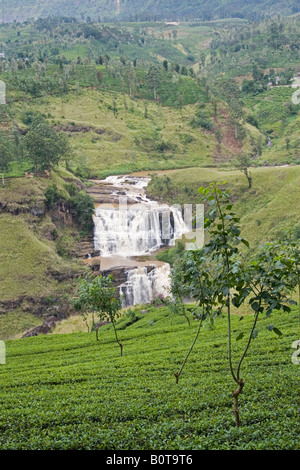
(71, 392)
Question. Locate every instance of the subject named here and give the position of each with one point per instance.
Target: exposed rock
(85, 247)
(10, 305)
(63, 275)
(38, 211)
(118, 273)
(45, 328)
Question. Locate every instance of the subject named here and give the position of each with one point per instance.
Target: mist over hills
(145, 10)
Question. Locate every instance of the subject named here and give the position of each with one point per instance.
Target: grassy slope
(129, 141)
(140, 134)
(70, 392)
(27, 252)
(269, 207)
(274, 119)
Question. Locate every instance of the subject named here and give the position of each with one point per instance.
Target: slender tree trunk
(249, 179)
(239, 380)
(235, 395)
(116, 335)
(177, 374)
(185, 315)
(3, 178)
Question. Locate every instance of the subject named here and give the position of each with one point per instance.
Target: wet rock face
(118, 273)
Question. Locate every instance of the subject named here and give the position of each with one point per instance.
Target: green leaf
(277, 331)
(254, 333)
(240, 336)
(255, 306)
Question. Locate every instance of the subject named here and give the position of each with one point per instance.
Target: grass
(14, 324)
(29, 251)
(71, 392)
(271, 110)
(266, 209)
(25, 259)
(126, 140)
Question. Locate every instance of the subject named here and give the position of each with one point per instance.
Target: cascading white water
(137, 228)
(142, 287)
(136, 231)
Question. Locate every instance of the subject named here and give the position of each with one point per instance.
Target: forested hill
(141, 10)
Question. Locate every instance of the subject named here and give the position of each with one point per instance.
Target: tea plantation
(68, 391)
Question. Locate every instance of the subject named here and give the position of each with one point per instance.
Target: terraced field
(72, 392)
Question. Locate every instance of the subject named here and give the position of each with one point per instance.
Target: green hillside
(266, 209)
(38, 253)
(207, 102)
(72, 392)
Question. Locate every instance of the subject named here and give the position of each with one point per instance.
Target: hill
(270, 206)
(39, 249)
(145, 10)
(187, 116)
(92, 83)
(72, 392)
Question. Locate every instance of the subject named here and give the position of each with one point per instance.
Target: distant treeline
(146, 10)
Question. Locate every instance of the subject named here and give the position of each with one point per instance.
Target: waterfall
(128, 225)
(142, 287)
(136, 232)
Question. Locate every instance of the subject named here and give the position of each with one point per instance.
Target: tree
(82, 207)
(44, 145)
(231, 94)
(262, 282)
(99, 295)
(286, 252)
(6, 153)
(194, 276)
(153, 79)
(130, 78)
(99, 76)
(243, 163)
(179, 291)
(257, 73)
